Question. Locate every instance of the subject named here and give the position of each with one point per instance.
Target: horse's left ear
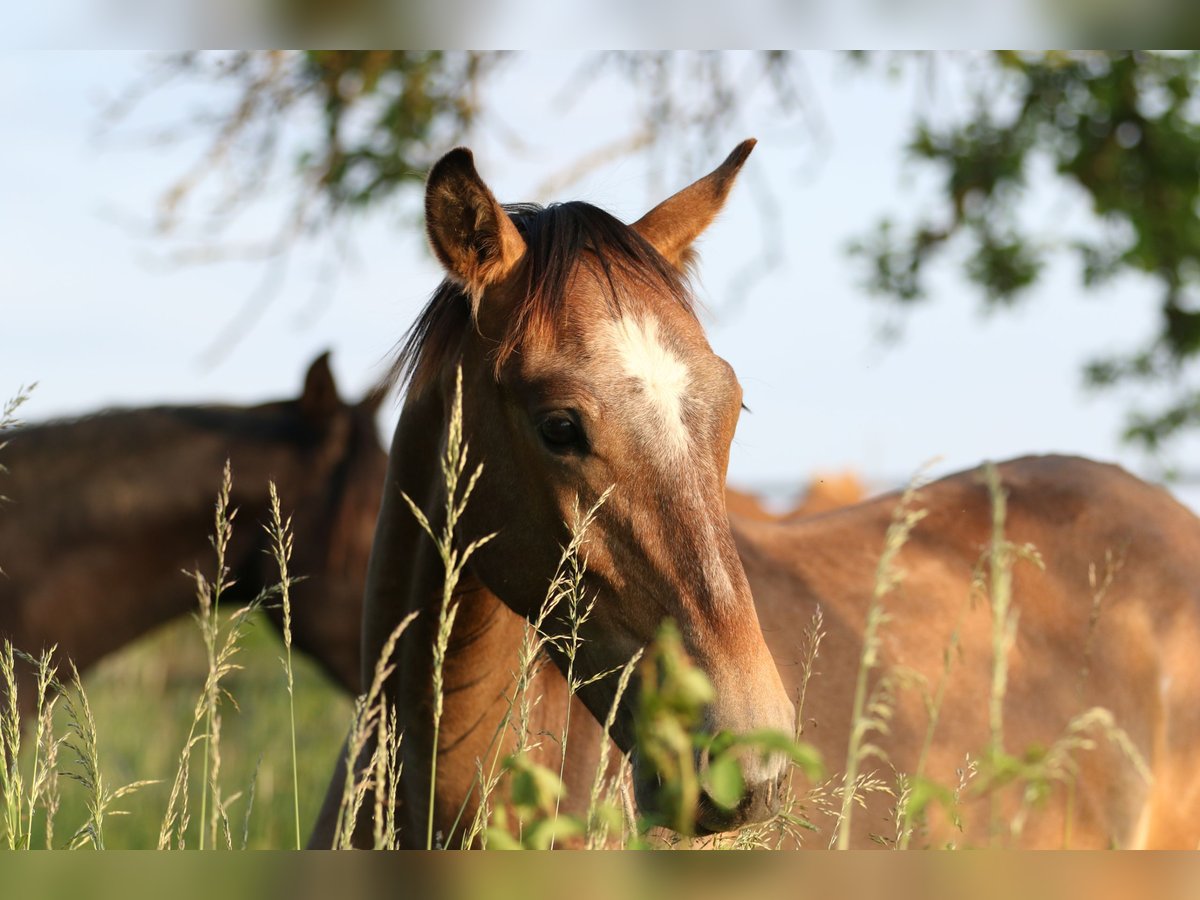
(674, 224)
(469, 230)
(320, 401)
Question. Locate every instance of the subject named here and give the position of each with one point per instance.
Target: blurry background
(199, 227)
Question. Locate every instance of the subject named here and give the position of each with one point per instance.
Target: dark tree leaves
(349, 127)
(1123, 127)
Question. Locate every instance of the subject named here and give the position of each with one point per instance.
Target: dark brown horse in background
(584, 367)
(108, 509)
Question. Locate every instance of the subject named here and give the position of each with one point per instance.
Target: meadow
(143, 699)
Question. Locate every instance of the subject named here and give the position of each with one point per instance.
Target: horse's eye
(559, 432)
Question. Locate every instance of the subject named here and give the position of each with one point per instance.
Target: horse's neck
(406, 575)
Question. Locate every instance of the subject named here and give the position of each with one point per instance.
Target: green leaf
(924, 792)
(724, 781)
(524, 790)
(499, 839)
(541, 834)
(533, 787)
(768, 740)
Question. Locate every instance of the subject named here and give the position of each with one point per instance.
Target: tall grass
(8, 420)
(518, 801)
(280, 532)
(1000, 558)
(83, 740)
(1036, 770)
(372, 720)
(791, 826)
(19, 808)
(44, 770)
(867, 717)
(568, 585)
(209, 594)
(454, 560)
(565, 587)
(222, 643)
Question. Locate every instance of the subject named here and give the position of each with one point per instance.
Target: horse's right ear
(320, 401)
(673, 225)
(469, 231)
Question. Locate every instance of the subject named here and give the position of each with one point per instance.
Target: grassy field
(143, 698)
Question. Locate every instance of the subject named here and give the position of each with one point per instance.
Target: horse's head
(584, 367)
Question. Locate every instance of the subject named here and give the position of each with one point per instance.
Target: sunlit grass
(143, 700)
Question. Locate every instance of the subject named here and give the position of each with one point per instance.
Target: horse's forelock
(558, 238)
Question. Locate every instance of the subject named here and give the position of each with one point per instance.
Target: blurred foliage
(354, 125)
(670, 737)
(1123, 127)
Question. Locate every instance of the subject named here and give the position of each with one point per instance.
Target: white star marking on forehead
(664, 376)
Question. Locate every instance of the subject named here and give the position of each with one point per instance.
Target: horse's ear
(674, 224)
(320, 401)
(469, 231)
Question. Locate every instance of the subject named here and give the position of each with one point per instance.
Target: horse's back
(1066, 506)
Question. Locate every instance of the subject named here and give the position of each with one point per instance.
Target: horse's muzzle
(759, 804)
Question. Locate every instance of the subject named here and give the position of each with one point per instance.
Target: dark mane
(557, 238)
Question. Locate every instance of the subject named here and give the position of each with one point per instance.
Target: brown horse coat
(107, 510)
(823, 493)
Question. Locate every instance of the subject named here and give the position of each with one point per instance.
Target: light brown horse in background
(822, 494)
(585, 367)
(108, 509)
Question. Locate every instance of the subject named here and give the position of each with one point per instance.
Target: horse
(584, 367)
(108, 509)
(823, 493)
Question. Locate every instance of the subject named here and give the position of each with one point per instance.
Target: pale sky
(90, 312)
